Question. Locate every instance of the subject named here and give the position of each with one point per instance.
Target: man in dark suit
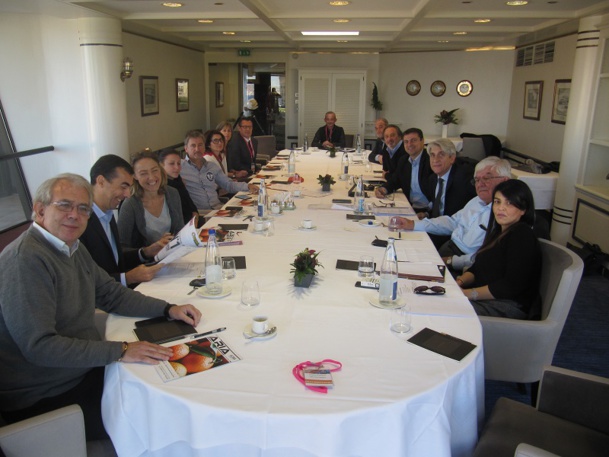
(450, 187)
(330, 135)
(404, 178)
(394, 150)
(375, 155)
(112, 177)
(242, 150)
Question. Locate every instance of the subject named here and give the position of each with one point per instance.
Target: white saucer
(300, 227)
(202, 292)
(247, 332)
(398, 303)
(369, 223)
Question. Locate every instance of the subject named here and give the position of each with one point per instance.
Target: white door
(325, 90)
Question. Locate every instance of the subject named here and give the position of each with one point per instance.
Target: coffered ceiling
(383, 25)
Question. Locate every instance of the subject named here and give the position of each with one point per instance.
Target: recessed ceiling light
(246, 41)
(172, 4)
(342, 21)
(228, 33)
(459, 33)
(443, 41)
(339, 3)
(205, 21)
(482, 21)
(330, 33)
(341, 41)
(517, 3)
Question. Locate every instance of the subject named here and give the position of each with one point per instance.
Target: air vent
(534, 55)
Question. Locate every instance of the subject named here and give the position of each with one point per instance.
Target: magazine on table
(187, 240)
(196, 356)
(223, 237)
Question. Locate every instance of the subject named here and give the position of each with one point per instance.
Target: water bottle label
(261, 211)
(360, 205)
(388, 290)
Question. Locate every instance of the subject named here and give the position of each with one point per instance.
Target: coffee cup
(260, 324)
(307, 223)
(297, 193)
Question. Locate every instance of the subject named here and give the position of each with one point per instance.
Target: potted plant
(332, 152)
(445, 118)
(376, 103)
(326, 181)
(305, 267)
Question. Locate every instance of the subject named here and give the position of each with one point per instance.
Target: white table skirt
(391, 398)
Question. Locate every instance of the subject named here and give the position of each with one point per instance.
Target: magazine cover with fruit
(196, 356)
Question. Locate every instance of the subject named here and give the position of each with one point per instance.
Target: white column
(102, 50)
(576, 127)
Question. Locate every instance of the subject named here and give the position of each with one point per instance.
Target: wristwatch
(448, 261)
(473, 294)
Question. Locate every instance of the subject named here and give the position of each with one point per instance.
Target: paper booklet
(187, 240)
(194, 357)
(223, 237)
(227, 212)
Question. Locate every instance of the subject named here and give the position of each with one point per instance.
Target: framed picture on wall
(219, 95)
(533, 91)
(149, 95)
(560, 104)
(182, 100)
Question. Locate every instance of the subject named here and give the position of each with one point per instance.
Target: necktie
(437, 203)
(251, 148)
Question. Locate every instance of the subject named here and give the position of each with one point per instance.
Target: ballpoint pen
(192, 337)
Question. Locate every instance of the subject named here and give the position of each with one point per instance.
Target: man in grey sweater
(51, 354)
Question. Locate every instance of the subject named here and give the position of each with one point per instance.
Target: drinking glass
(250, 293)
(365, 268)
(394, 224)
(228, 268)
(269, 228)
(400, 320)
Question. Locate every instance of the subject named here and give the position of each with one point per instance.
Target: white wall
(484, 111)
(541, 139)
(168, 62)
(42, 91)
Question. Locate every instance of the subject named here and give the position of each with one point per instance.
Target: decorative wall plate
(413, 87)
(464, 88)
(438, 88)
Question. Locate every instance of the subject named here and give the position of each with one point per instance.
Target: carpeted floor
(583, 344)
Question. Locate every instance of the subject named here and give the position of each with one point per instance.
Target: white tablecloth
(391, 398)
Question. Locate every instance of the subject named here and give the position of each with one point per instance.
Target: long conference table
(391, 398)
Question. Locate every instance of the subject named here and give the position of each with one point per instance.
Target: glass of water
(365, 268)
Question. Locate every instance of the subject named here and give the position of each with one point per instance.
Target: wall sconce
(127, 69)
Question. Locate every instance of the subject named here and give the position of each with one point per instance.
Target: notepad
(443, 344)
(160, 330)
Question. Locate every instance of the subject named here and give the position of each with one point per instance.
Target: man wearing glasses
(242, 150)
(467, 227)
(51, 354)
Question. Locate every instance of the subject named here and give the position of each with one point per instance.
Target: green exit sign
(244, 52)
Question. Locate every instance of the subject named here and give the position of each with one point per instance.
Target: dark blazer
(379, 147)
(390, 164)
(95, 240)
(459, 189)
(188, 206)
(337, 138)
(402, 177)
(238, 155)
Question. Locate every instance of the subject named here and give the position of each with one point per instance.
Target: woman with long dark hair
(504, 279)
(172, 164)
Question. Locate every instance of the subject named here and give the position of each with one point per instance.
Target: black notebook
(160, 330)
(240, 263)
(359, 217)
(441, 343)
(352, 265)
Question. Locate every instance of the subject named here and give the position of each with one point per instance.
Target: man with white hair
(329, 135)
(467, 227)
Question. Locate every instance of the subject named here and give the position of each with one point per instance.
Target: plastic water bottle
(305, 147)
(292, 163)
(262, 200)
(213, 266)
(359, 196)
(388, 291)
(345, 165)
(358, 145)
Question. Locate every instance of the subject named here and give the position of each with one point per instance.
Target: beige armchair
(571, 420)
(516, 350)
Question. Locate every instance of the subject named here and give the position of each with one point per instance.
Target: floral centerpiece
(332, 152)
(326, 181)
(305, 267)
